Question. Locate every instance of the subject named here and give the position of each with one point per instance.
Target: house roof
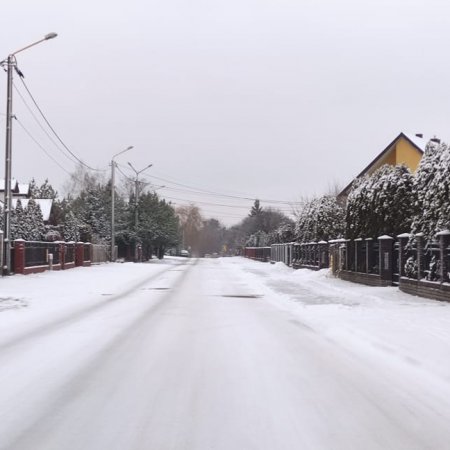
(2, 184)
(416, 141)
(44, 203)
(24, 189)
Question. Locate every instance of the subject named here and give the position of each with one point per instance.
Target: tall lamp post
(136, 195)
(10, 63)
(113, 233)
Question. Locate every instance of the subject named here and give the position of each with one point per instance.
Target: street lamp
(136, 193)
(113, 234)
(11, 64)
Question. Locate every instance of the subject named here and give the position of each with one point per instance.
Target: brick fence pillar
(79, 254)
(19, 256)
(386, 244)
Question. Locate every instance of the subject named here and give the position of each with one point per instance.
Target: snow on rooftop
(417, 141)
(44, 203)
(2, 184)
(24, 188)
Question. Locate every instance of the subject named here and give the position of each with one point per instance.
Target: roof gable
(383, 157)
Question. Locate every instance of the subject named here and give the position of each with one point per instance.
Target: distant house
(21, 192)
(404, 149)
(14, 189)
(44, 203)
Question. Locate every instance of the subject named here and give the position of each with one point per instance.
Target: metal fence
(37, 253)
(258, 253)
(422, 260)
(69, 253)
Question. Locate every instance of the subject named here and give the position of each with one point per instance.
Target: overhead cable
(54, 132)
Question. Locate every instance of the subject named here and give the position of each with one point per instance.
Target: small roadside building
(404, 149)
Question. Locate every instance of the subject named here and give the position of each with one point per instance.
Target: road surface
(195, 357)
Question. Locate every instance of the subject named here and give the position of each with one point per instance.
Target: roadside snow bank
(413, 333)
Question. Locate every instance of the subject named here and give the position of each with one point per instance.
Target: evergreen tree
(92, 208)
(432, 191)
(256, 209)
(35, 222)
(17, 222)
(320, 219)
(283, 234)
(45, 190)
(71, 227)
(382, 203)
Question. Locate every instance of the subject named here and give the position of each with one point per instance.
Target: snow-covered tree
(71, 227)
(45, 190)
(17, 222)
(284, 233)
(382, 203)
(35, 222)
(258, 239)
(320, 219)
(92, 209)
(432, 188)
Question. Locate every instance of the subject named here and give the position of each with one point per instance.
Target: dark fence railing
(420, 260)
(418, 267)
(69, 253)
(258, 253)
(37, 253)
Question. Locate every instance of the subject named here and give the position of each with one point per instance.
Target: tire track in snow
(64, 395)
(81, 314)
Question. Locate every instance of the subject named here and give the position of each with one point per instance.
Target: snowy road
(220, 354)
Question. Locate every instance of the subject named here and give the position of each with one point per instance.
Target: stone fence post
(420, 244)
(369, 255)
(444, 241)
(358, 255)
(323, 254)
(62, 253)
(402, 241)
(385, 260)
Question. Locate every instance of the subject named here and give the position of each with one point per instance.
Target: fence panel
(100, 253)
(36, 253)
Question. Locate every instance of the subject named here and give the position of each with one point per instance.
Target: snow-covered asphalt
(219, 354)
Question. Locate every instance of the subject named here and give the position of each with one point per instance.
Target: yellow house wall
(407, 154)
(389, 158)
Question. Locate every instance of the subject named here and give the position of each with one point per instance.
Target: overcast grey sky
(269, 99)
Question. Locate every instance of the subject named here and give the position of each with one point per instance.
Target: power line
(40, 146)
(54, 132)
(207, 203)
(218, 194)
(41, 126)
(193, 190)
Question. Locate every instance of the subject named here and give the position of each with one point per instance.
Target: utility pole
(136, 197)
(8, 164)
(11, 64)
(113, 232)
